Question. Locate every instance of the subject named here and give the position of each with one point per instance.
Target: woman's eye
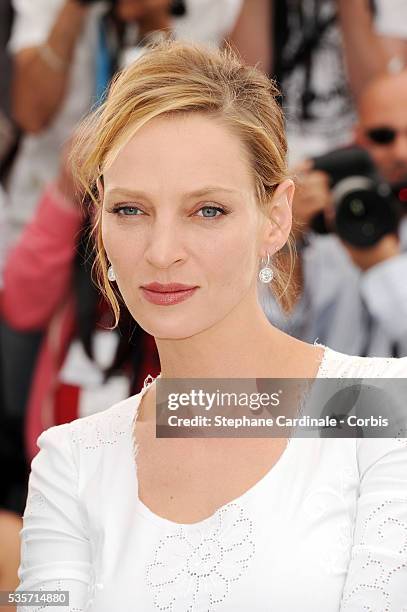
(127, 211)
(212, 208)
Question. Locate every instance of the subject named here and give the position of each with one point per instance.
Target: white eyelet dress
(325, 530)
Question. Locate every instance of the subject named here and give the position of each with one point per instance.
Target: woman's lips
(167, 298)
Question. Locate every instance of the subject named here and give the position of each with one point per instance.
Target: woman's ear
(280, 215)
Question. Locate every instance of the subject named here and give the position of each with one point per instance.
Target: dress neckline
(151, 516)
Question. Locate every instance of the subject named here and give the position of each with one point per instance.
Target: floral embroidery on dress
(194, 568)
(384, 524)
(380, 582)
(379, 569)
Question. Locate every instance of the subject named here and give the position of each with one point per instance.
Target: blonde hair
(173, 77)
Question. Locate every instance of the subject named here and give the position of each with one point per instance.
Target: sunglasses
(382, 135)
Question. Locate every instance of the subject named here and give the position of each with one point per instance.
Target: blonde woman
(186, 166)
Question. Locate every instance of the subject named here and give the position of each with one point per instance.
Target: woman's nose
(165, 245)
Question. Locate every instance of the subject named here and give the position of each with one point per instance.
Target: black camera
(366, 207)
(177, 7)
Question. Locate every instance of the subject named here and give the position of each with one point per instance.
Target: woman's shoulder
(342, 365)
(370, 450)
(98, 430)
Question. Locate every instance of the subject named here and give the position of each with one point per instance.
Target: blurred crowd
(341, 67)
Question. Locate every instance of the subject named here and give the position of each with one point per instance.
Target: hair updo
(182, 77)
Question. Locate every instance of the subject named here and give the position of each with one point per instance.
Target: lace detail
(374, 595)
(194, 567)
(378, 558)
(97, 430)
(379, 521)
(323, 366)
(51, 585)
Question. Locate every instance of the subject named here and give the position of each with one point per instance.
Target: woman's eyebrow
(130, 193)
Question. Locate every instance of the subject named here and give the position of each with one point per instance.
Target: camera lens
(364, 216)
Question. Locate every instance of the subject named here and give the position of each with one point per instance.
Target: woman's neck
(239, 346)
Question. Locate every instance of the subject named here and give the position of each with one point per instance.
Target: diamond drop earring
(110, 274)
(266, 274)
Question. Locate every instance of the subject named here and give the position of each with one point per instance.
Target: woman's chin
(176, 329)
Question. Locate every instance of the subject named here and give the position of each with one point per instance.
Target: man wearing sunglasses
(354, 299)
(382, 128)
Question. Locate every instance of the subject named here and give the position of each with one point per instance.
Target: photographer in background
(322, 54)
(352, 295)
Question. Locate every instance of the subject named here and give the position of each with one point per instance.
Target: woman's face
(162, 221)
